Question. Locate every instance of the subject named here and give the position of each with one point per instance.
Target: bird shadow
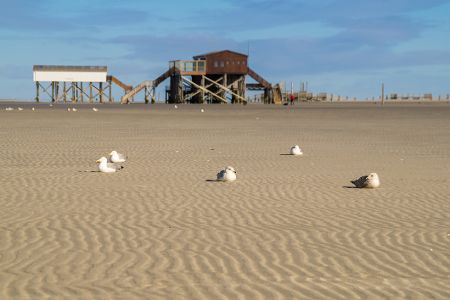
(88, 171)
(212, 180)
(286, 154)
(349, 187)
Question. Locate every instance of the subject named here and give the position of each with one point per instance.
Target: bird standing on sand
(105, 167)
(175, 106)
(296, 150)
(20, 108)
(95, 109)
(74, 109)
(229, 174)
(117, 157)
(369, 181)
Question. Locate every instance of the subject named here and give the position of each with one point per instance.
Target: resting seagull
(229, 174)
(369, 181)
(117, 157)
(296, 150)
(105, 167)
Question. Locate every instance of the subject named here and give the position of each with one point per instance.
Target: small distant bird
(117, 157)
(229, 174)
(69, 109)
(32, 108)
(105, 167)
(9, 108)
(51, 105)
(74, 109)
(202, 110)
(175, 106)
(20, 108)
(296, 150)
(369, 181)
(95, 109)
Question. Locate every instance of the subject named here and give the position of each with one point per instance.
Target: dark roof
(70, 68)
(215, 52)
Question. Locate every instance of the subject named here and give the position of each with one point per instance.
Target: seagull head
(101, 160)
(114, 152)
(231, 169)
(373, 176)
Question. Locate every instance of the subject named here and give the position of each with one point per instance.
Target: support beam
(37, 91)
(228, 90)
(205, 90)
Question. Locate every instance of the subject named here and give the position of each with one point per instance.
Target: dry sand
(288, 228)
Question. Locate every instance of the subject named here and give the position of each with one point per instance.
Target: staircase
(259, 79)
(144, 84)
(125, 87)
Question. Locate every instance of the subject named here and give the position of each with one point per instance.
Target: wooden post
(90, 93)
(146, 94)
(110, 91)
(73, 91)
(100, 91)
(53, 91)
(382, 93)
(202, 93)
(64, 92)
(57, 91)
(81, 92)
(37, 91)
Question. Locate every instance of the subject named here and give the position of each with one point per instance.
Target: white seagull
(95, 109)
(369, 181)
(68, 109)
(105, 167)
(296, 150)
(117, 157)
(20, 108)
(175, 106)
(202, 110)
(74, 109)
(229, 174)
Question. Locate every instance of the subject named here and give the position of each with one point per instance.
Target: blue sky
(341, 47)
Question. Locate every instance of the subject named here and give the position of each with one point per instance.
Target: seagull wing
(114, 167)
(122, 156)
(221, 175)
(360, 182)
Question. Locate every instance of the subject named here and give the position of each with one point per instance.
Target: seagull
(229, 174)
(105, 167)
(9, 108)
(369, 181)
(20, 108)
(202, 110)
(32, 108)
(296, 150)
(51, 105)
(74, 109)
(117, 157)
(68, 109)
(175, 106)
(95, 109)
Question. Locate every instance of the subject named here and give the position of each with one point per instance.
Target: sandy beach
(288, 228)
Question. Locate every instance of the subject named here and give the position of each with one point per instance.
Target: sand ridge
(286, 229)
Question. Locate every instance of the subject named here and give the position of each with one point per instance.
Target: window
(222, 64)
(216, 64)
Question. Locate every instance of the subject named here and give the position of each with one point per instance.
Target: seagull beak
(97, 161)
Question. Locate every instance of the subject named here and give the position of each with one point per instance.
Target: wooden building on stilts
(215, 77)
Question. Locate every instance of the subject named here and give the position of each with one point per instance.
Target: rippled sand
(288, 228)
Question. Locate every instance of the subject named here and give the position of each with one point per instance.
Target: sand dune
(287, 229)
